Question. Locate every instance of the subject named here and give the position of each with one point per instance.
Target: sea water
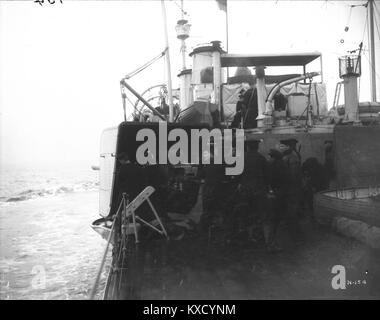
(47, 247)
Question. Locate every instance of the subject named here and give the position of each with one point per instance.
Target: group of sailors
(270, 191)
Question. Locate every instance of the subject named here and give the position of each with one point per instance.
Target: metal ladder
(337, 94)
(127, 210)
(135, 204)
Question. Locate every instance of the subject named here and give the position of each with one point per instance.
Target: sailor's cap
(242, 92)
(274, 153)
(289, 142)
(253, 141)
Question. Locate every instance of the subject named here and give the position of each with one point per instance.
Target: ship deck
(193, 268)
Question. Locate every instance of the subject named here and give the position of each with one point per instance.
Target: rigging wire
(362, 51)
(365, 26)
(146, 65)
(359, 5)
(165, 70)
(124, 97)
(369, 59)
(377, 26)
(133, 105)
(375, 6)
(377, 75)
(348, 20)
(182, 11)
(347, 27)
(359, 61)
(369, 62)
(97, 279)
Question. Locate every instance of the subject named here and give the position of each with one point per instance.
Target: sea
(48, 249)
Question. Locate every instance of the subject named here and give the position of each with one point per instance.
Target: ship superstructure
(279, 106)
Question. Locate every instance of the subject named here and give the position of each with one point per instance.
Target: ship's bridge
(220, 77)
(290, 59)
(278, 67)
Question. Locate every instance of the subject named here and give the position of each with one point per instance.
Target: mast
(183, 44)
(224, 7)
(167, 56)
(228, 71)
(183, 30)
(226, 14)
(372, 51)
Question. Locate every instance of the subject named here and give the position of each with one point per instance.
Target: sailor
(280, 102)
(278, 186)
(250, 100)
(241, 109)
(315, 180)
(254, 184)
(292, 159)
(213, 175)
(163, 107)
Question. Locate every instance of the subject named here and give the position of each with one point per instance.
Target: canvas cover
(230, 96)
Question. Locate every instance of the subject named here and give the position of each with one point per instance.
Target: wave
(36, 193)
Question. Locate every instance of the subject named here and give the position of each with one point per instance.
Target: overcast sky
(60, 65)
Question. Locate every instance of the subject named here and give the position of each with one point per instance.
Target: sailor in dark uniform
(250, 100)
(315, 180)
(278, 184)
(241, 110)
(254, 184)
(213, 175)
(292, 159)
(246, 110)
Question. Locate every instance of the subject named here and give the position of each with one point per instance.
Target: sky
(60, 65)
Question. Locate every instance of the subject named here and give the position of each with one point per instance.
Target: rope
(377, 26)
(182, 11)
(97, 279)
(124, 252)
(365, 26)
(146, 65)
(361, 47)
(124, 97)
(123, 246)
(348, 20)
(347, 27)
(356, 66)
(371, 65)
(375, 6)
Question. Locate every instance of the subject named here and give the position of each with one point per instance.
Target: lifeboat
(359, 203)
